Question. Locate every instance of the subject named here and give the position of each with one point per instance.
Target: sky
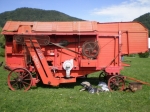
(92, 10)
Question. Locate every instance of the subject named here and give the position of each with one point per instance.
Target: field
(67, 98)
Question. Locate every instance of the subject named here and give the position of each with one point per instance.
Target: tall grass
(67, 97)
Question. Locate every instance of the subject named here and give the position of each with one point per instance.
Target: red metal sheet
(122, 26)
(64, 26)
(11, 26)
(83, 26)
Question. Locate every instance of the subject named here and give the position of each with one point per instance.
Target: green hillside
(145, 20)
(32, 14)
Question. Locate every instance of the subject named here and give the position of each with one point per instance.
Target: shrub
(2, 53)
(144, 55)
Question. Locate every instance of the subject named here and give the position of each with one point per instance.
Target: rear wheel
(19, 79)
(116, 83)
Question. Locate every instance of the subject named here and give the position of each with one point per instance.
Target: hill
(145, 20)
(32, 14)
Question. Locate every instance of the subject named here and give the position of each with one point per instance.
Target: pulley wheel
(116, 83)
(19, 39)
(90, 49)
(19, 79)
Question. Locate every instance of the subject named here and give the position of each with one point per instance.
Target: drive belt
(64, 47)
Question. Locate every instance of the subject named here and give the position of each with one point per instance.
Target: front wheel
(19, 79)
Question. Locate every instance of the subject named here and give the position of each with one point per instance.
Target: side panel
(134, 35)
(134, 42)
(138, 42)
(108, 55)
(13, 58)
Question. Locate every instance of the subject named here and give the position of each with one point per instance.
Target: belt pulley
(90, 49)
(64, 47)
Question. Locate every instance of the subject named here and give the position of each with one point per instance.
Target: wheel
(102, 76)
(90, 49)
(19, 39)
(19, 79)
(116, 83)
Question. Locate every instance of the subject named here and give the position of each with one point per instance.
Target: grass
(67, 98)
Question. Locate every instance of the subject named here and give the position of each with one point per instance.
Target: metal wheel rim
(19, 79)
(116, 83)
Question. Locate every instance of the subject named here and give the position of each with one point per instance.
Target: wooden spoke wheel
(19, 79)
(116, 83)
(102, 76)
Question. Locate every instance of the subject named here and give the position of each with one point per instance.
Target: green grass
(67, 98)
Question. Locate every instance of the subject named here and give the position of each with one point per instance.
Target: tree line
(32, 14)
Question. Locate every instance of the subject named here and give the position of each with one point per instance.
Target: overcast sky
(94, 10)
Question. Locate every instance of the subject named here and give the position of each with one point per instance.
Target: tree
(31, 14)
(144, 55)
(2, 39)
(145, 20)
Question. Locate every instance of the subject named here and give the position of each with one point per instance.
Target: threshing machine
(59, 52)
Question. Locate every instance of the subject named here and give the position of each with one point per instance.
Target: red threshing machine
(59, 52)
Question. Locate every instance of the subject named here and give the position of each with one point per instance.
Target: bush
(2, 52)
(2, 41)
(144, 55)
